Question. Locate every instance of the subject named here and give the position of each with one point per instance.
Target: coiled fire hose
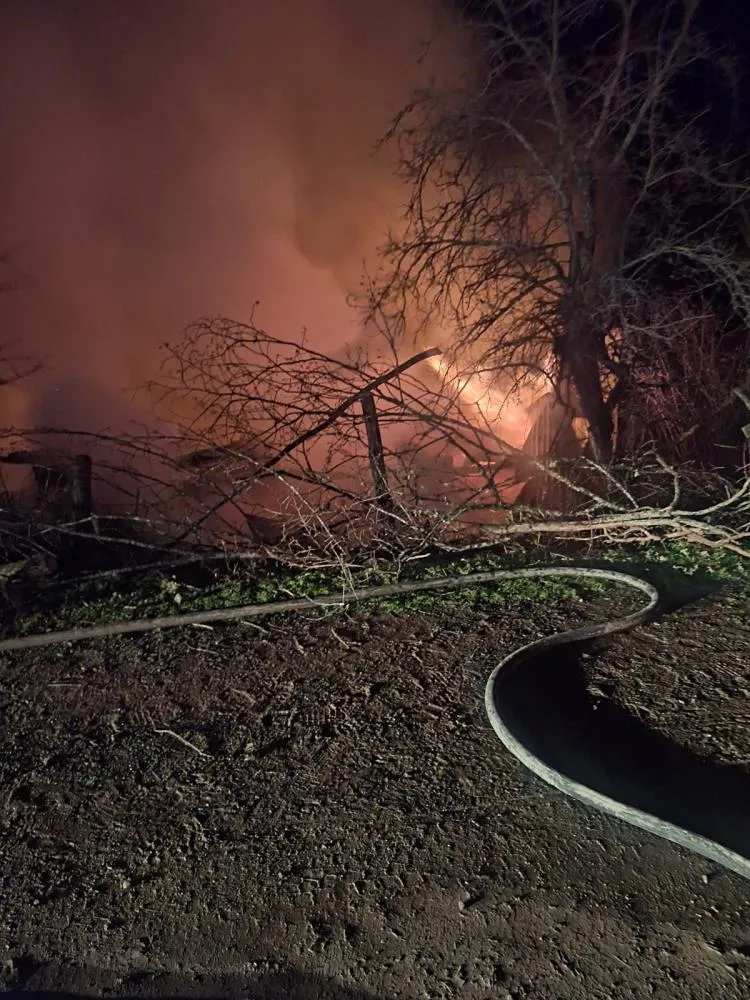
(499, 713)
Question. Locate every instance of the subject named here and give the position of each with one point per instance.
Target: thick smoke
(164, 160)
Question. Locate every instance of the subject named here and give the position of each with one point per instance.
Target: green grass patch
(683, 571)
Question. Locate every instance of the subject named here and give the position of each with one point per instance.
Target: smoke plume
(165, 160)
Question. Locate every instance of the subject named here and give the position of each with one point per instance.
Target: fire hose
(500, 713)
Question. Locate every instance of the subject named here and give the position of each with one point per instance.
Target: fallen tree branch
(312, 432)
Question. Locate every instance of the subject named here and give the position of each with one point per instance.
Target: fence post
(383, 497)
(82, 487)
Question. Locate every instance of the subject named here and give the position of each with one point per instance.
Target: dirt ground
(318, 807)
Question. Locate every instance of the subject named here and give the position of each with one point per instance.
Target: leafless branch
(550, 196)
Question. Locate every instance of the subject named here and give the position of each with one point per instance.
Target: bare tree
(577, 178)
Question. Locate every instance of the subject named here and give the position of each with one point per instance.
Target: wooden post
(82, 487)
(383, 496)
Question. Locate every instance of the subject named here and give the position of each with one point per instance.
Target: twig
(181, 739)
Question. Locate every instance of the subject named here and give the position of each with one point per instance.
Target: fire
(530, 418)
(506, 413)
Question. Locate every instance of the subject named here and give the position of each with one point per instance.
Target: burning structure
(155, 173)
(188, 180)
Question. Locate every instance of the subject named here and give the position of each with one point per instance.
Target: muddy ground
(317, 807)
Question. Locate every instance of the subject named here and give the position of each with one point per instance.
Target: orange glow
(504, 412)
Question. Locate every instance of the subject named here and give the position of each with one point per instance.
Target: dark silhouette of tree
(574, 201)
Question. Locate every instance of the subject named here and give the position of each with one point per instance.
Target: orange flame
(506, 413)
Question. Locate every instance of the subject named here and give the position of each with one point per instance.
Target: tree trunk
(579, 362)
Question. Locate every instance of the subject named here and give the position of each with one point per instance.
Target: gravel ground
(318, 807)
